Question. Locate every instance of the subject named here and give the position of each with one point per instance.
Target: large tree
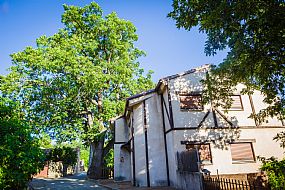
(73, 82)
(254, 33)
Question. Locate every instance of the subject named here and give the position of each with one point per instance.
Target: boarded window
(191, 102)
(242, 152)
(204, 151)
(188, 160)
(237, 103)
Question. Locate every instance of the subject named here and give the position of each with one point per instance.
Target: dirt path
(78, 182)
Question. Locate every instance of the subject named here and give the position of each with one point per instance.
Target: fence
(210, 183)
(107, 173)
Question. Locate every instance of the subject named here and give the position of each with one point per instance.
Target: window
(242, 152)
(205, 156)
(191, 102)
(237, 103)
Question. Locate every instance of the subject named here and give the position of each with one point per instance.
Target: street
(79, 182)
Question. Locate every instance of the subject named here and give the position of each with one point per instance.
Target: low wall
(43, 173)
(54, 170)
(189, 180)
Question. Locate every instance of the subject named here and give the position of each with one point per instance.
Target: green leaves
(73, 82)
(65, 154)
(275, 171)
(20, 155)
(253, 31)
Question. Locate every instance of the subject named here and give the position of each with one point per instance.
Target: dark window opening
(191, 102)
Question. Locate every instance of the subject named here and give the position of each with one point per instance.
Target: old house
(162, 123)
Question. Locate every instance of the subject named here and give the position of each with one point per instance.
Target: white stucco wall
(189, 118)
(261, 137)
(121, 130)
(155, 136)
(186, 84)
(172, 161)
(259, 104)
(169, 141)
(241, 117)
(263, 145)
(122, 163)
(139, 140)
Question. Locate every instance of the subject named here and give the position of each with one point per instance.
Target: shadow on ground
(79, 182)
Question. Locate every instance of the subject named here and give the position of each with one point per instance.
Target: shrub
(84, 155)
(275, 171)
(20, 155)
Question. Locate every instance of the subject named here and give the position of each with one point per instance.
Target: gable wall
(186, 84)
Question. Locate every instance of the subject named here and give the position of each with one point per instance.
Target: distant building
(163, 123)
(56, 169)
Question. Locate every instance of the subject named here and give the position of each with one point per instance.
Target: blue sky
(169, 50)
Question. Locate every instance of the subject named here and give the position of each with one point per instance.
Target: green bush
(275, 171)
(20, 155)
(109, 159)
(66, 155)
(84, 155)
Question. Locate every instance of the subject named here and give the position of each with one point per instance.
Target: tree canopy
(72, 83)
(254, 33)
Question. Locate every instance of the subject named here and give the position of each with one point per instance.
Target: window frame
(201, 106)
(241, 104)
(243, 161)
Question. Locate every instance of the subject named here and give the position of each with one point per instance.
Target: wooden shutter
(192, 102)
(237, 104)
(242, 152)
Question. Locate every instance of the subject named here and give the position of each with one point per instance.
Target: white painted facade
(154, 127)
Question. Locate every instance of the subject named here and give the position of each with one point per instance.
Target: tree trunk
(64, 169)
(96, 159)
